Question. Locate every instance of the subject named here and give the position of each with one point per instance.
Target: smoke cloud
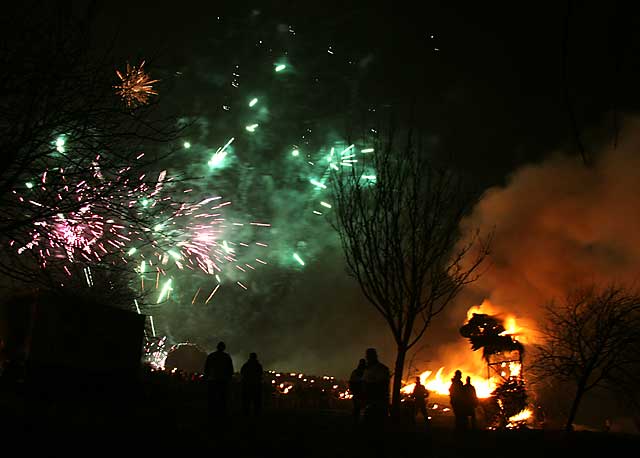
(559, 224)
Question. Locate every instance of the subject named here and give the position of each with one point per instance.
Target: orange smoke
(559, 224)
(556, 225)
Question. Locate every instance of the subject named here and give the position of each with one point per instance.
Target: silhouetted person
(470, 403)
(356, 386)
(251, 373)
(457, 397)
(218, 372)
(376, 390)
(420, 395)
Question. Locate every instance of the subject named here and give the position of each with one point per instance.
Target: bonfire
(501, 389)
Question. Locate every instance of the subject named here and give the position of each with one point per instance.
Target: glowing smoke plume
(559, 224)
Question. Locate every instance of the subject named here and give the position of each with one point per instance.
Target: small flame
(521, 416)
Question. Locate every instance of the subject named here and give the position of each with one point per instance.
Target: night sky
(493, 87)
(489, 84)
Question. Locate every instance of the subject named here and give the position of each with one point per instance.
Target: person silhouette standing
(251, 374)
(376, 379)
(218, 372)
(356, 386)
(457, 398)
(470, 403)
(420, 395)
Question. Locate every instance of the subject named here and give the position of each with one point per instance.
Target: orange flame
(440, 385)
(484, 386)
(511, 324)
(521, 417)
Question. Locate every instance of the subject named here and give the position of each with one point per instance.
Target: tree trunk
(574, 407)
(397, 379)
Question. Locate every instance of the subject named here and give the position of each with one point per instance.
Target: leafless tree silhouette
(592, 340)
(401, 239)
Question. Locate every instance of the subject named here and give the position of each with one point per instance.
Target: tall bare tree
(401, 239)
(592, 340)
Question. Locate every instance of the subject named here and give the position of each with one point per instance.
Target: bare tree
(591, 340)
(72, 150)
(400, 234)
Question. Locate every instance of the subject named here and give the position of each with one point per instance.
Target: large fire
(470, 362)
(440, 385)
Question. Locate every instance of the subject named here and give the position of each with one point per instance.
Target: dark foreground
(164, 415)
(283, 432)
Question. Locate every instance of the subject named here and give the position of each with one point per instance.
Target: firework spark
(126, 218)
(136, 86)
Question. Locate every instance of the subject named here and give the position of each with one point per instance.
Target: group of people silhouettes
(368, 384)
(463, 402)
(218, 373)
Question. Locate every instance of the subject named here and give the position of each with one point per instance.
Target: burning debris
(308, 386)
(519, 419)
(487, 332)
(503, 354)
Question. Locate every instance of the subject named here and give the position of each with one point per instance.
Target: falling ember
(212, 293)
(195, 296)
(153, 328)
(136, 86)
(297, 257)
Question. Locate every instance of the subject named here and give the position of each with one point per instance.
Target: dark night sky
(488, 89)
(494, 93)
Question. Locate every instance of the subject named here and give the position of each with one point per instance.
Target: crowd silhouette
(369, 386)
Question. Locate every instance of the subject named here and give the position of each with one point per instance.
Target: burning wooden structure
(503, 355)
